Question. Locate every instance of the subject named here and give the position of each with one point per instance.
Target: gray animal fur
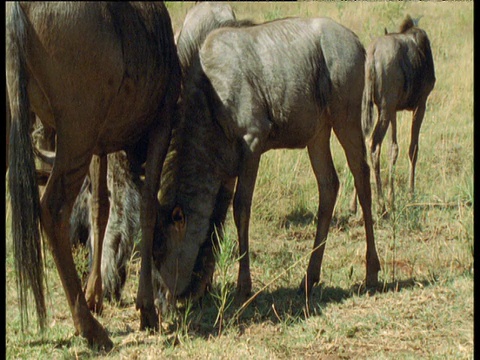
(283, 84)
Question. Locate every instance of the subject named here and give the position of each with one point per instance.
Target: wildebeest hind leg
(375, 149)
(418, 114)
(157, 150)
(328, 184)
(393, 161)
(351, 139)
(62, 188)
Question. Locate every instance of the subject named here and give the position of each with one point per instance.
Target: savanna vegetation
(425, 306)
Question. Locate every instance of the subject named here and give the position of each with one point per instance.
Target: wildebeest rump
(399, 75)
(283, 84)
(105, 76)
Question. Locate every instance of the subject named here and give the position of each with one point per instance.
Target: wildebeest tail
(368, 93)
(24, 195)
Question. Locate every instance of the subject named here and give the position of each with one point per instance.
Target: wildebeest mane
(406, 24)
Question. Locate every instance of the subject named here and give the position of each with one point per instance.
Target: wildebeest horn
(416, 20)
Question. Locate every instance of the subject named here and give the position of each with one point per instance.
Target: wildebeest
(399, 75)
(106, 77)
(123, 223)
(282, 84)
(199, 22)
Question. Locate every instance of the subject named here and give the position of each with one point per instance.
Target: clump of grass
(225, 253)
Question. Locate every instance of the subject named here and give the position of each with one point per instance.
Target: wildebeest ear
(178, 218)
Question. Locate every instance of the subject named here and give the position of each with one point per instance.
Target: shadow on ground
(282, 305)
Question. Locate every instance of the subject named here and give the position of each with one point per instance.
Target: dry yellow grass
(426, 249)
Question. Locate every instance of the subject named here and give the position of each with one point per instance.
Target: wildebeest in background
(283, 84)
(124, 189)
(199, 22)
(106, 77)
(399, 75)
(123, 223)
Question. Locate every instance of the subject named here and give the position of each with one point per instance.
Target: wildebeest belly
(297, 130)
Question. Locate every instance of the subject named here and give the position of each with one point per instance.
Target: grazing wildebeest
(282, 84)
(106, 77)
(124, 190)
(399, 75)
(199, 22)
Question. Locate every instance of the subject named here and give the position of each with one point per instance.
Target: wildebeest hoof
(241, 297)
(306, 287)
(148, 319)
(89, 328)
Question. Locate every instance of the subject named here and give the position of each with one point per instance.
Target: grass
(425, 309)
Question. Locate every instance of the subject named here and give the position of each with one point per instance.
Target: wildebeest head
(183, 246)
(185, 265)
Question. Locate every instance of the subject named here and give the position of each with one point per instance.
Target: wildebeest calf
(283, 84)
(399, 75)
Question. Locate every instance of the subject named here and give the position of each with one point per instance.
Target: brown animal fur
(105, 76)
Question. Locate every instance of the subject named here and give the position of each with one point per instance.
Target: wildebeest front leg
(418, 114)
(157, 149)
(99, 218)
(328, 184)
(241, 210)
